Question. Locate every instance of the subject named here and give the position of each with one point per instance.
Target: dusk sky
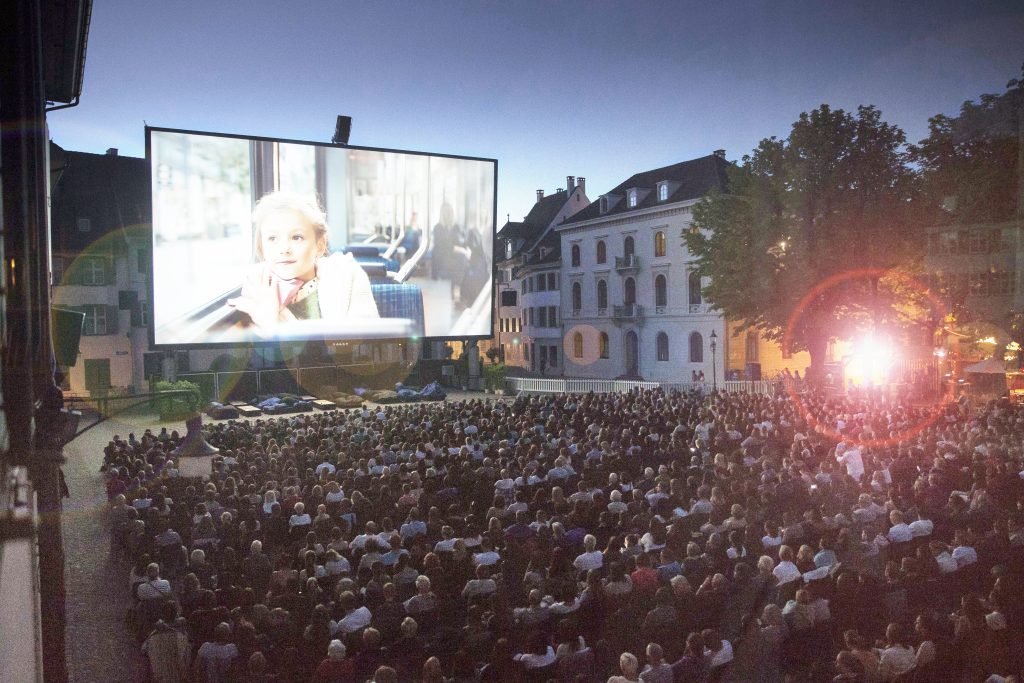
(595, 89)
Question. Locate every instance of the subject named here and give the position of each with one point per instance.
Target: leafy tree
(832, 201)
(971, 164)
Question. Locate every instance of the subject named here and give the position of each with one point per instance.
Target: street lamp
(714, 369)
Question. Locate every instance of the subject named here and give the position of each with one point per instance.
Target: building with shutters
(527, 316)
(101, 207)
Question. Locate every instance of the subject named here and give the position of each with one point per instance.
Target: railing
(698, 308)
(629, 262)
(628, 312)
(604, 386)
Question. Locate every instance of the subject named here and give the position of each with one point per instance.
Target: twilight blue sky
(598, 89)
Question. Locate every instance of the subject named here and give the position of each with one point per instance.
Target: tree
(834, 202)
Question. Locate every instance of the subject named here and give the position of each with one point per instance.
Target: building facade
(631, 300)
(101, 244)
(528, 314)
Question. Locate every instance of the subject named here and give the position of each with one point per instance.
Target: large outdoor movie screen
(262, 240)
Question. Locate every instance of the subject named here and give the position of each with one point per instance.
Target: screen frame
(151, 299)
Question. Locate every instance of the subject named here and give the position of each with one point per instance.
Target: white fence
(538, 385)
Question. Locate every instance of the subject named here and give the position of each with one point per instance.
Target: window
(751, 350)
(95, 320)
(696, 348)
(575, 256)
(143, 261)
(628, 247)
(524, 286)
(602, 252)
(531, 320)
(629, 294)
(602, 294)
(604, 204)
(509, 297)
(543, 315)
(602, 341)
(508, 249)
(529, 285)
(552, 317)
(662, 192)
(501, 324)
(552, 281)
(93, 271)
(84, 225)
(577, 345)
(662, 344)
(553, 356)
(694, 287)
(577, 296)
(660, 244)
(660, 291)
(632, 199)
(542, 283)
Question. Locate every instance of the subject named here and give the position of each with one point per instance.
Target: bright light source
(987, 340)
(870, 362)
(939, 353)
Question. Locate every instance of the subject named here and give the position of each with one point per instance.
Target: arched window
(662, 343)
(660, 291)
(602, 252)
(696, 348)
(694, 287)
(577, 345)
(751, 346)
(575, 255)
(602, 294)
(577, 296)
(602, 344)
(628, 247)
(662, 192)
(660, 244)
(629, 295)
(508, 249)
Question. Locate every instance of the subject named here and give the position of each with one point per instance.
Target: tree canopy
(810, 228)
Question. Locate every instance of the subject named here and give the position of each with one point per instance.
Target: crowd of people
(646, 536)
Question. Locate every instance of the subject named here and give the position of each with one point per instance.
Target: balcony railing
(626, 263)
(696, 309)
(627, 312)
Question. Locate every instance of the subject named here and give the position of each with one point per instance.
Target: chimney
(540, 195)
(570, 183)
(581, 183)
(559, 190)
(112, 152)
(720, 153)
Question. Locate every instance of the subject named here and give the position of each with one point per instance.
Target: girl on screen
(296, 277)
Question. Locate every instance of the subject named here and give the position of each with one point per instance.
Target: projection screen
(268, 240)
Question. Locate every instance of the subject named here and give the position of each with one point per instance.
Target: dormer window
(631, 199)
(508, 249)
(662, 192)
(604, 205)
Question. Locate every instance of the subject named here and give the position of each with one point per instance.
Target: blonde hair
(306, 206)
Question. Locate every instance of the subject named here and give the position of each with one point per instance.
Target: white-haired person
(296, 277)
(336, 666)
(630, 667)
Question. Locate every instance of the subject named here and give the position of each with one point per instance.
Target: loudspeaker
(342, 129)
(66, 328)
(754, 372)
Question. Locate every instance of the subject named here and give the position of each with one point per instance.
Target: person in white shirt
(356, 618)
(153, 588)
(487, 556)
(900, 531)
(616, 506)
(921, 527)
(786, 571)
(300, 518)
(898, 657)
(850, 457)
(718, 650)
(591, 557)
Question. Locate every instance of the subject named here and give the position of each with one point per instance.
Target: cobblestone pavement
(99, 646)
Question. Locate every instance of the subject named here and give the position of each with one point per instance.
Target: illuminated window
(660, 244)
(662, 192)
(632, 199)
(602, 341)
(577, 345)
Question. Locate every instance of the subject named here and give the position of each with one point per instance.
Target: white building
(528, 315)
(631, 303)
